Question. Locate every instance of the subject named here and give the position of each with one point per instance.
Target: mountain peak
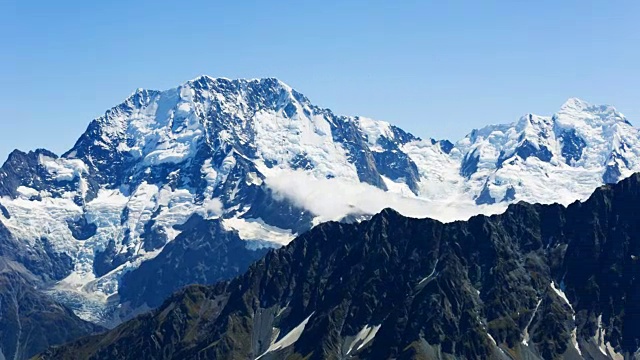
(576, 112)
(575, 103)
(208, 83)
(210, 80)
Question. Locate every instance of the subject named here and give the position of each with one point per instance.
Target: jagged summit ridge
(577, 105)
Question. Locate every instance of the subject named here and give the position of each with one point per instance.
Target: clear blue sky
(436, 68)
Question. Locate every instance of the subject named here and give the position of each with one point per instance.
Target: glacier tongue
(271, 164)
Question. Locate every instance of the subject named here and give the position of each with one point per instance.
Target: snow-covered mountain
(269, 164)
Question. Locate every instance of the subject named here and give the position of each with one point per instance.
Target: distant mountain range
(537, 282)
(193, 184)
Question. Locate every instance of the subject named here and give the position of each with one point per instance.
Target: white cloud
(332, 199)
(212, 208)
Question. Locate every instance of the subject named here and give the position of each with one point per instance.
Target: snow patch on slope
(289, 339)
(363, 337)
(33, 220)
(258, 230)
(283, 139)
(525, 335)
(374, 130)
(165, 130)
(63, 169)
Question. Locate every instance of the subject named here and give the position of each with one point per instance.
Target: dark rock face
(395, 164)
(109, 259)
(525, 150)
(153, 237)
(510, 194)
(528, 149)
(572, 146)
(81, 229)
(19, 169)
(25, 169)
(4, 212)
(491, 287)
(446, 146)
(403, 137)
(358, 152)
(469, 164)
(398, 166)
(485, 198)
(612, 172)
(280, 213)
(22, 169)
(204, 253)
